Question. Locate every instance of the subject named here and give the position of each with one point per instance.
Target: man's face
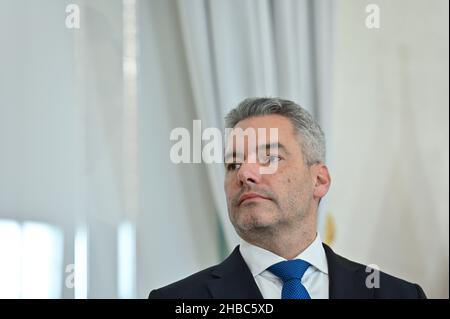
(269, 201)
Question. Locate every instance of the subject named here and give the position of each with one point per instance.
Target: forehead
(262, 135)
(283, 124)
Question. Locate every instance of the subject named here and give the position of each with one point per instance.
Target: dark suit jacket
(232, 279)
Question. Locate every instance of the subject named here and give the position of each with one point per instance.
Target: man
(275, 214)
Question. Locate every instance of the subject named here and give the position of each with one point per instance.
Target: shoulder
(191, 287)
(368, 280)
(199, 285)
(394, 287)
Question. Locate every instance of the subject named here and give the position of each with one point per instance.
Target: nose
(249, 174)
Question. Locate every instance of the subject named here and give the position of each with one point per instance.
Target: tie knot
(289, 269)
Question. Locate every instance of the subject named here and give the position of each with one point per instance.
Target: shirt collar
(259, 259)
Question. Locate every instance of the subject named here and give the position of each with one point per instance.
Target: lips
(246, 196)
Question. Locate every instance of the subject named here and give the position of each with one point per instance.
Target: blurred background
(91, 205)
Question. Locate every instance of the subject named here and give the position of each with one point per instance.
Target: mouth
(251, 196)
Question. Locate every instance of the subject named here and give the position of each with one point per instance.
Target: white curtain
(236, 49)
(85, 135)
(200, 58)
(86, 115)
(390, 140)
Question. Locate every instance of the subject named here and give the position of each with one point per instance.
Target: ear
(322, 180)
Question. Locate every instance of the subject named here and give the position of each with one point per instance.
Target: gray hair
(313, 142)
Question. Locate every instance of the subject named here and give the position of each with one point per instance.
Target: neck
(287, 244)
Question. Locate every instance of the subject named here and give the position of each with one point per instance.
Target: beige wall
(389, 145)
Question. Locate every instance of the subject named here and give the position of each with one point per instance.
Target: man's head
(266, 204)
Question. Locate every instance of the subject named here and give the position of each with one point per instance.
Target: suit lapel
(346, 278)
(232, 279)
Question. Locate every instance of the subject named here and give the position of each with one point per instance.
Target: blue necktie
(291, 272)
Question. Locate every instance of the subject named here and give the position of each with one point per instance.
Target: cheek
(226, 184)
(229, 189)
(293, 186)
(284, 187)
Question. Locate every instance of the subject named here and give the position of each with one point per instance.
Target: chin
(252, 220)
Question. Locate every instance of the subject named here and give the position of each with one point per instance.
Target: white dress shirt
(315, 278)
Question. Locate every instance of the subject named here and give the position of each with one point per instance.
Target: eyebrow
(262, 146)
(276, 145)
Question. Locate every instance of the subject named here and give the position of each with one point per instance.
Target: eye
(266, 159)
(233, 166)
(274, 158)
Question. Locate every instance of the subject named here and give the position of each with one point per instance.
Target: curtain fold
(237, 49)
